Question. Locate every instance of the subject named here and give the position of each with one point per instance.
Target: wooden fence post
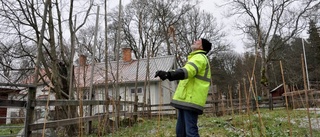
(290, 102)
(215, 99)
(270, 102)
(29, 111)
(135, 108)
(254, 105)
(216, 104)
(149, 108)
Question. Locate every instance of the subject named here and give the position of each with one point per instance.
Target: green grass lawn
(266, 123)
(10, 129)
(270, 124)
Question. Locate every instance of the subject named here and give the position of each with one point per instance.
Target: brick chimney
(126, 54)
(82, 60)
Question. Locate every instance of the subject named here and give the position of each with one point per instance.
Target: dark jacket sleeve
(177, 74)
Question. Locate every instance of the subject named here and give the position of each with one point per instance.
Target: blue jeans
(187, 124)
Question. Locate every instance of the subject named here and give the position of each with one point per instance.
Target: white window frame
(139, 89)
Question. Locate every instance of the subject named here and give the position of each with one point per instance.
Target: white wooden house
(16, 114)
(8, 93)
(132, 74)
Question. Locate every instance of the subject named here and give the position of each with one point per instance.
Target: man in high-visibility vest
(191, 93)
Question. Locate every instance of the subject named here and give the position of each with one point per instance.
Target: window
(139, 91)
(42, 97)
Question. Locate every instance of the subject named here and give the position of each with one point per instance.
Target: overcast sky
(234, 36)
(218, 11)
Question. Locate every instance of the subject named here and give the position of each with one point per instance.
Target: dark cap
(206, 45)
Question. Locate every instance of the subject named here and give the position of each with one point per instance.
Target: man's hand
(162, 74)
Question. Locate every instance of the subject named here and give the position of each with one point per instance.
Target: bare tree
(195, 25)
(85, 44)
(168, 15)
(268, 18)
(169, 27)
(146, 24)
(21, 21)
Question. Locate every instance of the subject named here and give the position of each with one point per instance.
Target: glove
(162, 74)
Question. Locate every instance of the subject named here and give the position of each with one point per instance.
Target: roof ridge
(158, 57)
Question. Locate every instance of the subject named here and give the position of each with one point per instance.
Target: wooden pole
(92, 68)
(239, 94)
(29, 111)
(284, 87)
(306, 94)
(248, 105)
(306, 74)
(105, 125)
(231, 102)
(270, 102)
(135, 107)
(215, 97)
(32, 90)
(254, 94)
(117, 117)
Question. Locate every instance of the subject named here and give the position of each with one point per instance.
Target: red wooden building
(277, 91)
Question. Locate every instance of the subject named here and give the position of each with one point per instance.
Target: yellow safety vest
(192, 92)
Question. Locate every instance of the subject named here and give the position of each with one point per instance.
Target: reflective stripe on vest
(205, 77)
(195, 66)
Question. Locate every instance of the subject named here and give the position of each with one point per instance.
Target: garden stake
(248, 108)
(285, 91)
(306, 94)
(254, 95)
(46, 113)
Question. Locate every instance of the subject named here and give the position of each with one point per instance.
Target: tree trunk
(58, 77)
